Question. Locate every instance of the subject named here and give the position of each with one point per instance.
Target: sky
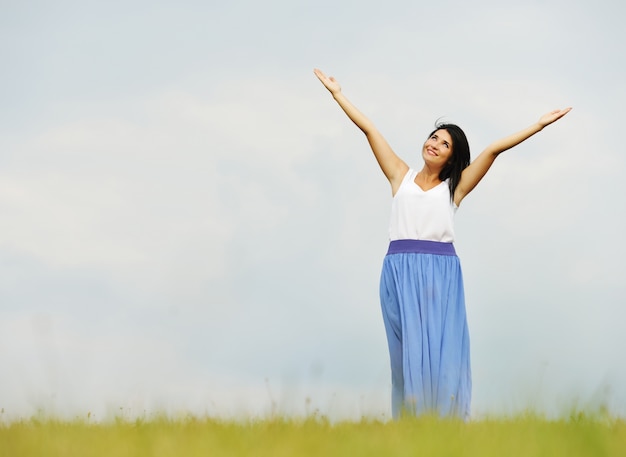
(190, 225)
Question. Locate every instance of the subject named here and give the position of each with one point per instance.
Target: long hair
(460, 158)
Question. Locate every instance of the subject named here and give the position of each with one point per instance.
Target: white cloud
(194, 231)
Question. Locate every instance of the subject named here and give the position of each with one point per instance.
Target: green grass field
(526, 435)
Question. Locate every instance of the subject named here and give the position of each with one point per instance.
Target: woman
(421, 287)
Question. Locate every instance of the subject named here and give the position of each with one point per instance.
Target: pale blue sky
(189, 222)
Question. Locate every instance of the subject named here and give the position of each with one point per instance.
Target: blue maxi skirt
(423, 305)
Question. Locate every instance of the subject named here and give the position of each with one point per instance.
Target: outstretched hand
(329, 82)
(552, 116)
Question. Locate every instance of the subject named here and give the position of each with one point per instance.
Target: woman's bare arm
(392, 166)
(472, 175)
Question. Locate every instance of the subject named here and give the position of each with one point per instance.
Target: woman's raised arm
(472, 175)
(392, 166)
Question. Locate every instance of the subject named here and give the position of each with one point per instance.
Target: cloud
(202, 222)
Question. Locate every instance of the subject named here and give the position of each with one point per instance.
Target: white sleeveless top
(422, 215)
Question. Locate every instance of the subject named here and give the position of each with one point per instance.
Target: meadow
(578, 434)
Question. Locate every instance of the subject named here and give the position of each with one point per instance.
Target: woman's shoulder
(411, 173)
(409, 176)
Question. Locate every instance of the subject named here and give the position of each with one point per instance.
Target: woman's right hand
(329, 82)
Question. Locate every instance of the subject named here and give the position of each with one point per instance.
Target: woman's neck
(427, 179)
(428, 175)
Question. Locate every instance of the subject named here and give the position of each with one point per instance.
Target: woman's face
(438, 148)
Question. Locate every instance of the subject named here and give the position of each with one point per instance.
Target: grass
(526, 435)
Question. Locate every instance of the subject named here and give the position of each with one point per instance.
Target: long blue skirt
(423, 305)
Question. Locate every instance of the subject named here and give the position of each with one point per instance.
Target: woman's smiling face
(437, 149)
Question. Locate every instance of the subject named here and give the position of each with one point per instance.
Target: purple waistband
(421, 247)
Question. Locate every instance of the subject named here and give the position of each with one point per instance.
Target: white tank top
(422, 215)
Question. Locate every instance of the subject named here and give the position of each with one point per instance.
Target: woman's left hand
(552, 116)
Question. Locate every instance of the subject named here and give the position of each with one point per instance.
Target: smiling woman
(421, 286)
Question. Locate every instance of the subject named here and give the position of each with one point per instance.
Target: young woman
(421, 286)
